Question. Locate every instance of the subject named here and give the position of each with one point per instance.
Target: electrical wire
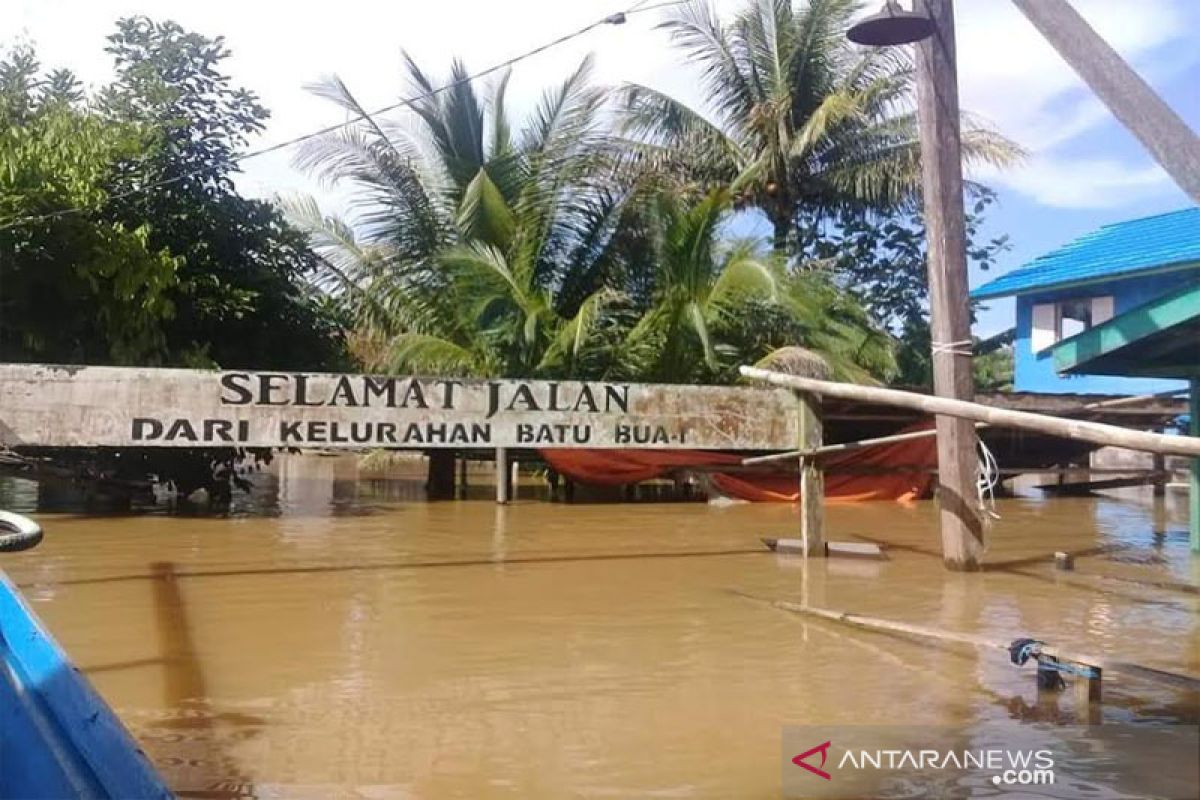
(617, 18)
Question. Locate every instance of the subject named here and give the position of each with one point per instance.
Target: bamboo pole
(1108, 665)
(845, 446)
(1082, 430)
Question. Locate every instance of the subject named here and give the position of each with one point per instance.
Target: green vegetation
(596, 238)
(123, 241)
(596, 242)
(166, 263)
(798, 120)
(77, 288)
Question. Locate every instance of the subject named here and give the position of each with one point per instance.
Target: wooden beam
(1083, 488)
(1132, 400)
(949, 306)
(1082, 430)
(1147, 319)
(1130, 99)
(812, 478)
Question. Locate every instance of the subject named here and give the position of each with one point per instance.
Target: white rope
(964, 347)
(987, 477)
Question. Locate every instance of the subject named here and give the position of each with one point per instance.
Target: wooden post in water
(812, 476)
(502, 475)
(949, 310)
(1194, 488)
(462, 477)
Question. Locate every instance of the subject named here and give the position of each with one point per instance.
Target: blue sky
(1037, 223)
(1085, 170)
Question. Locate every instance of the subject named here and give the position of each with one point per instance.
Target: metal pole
(949, 309)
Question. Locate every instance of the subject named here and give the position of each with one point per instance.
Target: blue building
(1104, 274)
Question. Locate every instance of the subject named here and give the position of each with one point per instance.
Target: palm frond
(696, 29)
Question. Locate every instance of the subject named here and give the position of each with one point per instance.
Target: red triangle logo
(823, 749)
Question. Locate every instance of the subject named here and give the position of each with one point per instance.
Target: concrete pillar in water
(502, 475)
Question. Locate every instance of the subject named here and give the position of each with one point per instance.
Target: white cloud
(1080, 183)
(1012, 77)
(1007, 73)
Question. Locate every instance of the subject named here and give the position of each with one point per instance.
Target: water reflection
(335, 636)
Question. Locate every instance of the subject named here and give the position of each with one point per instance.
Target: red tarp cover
(898, 471)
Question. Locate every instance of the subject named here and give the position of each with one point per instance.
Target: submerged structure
(1155, 340)
(1090, 282)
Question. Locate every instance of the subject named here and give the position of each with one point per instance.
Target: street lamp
(892, 25)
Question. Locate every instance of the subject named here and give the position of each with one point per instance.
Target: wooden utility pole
(1131, 100)
(949, 309)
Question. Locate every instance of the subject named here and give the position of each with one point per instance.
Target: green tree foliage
(797, 119)
(124, 241)
(549, 251)
(78, 287)
(241, 300)
(701, 285)
(468, 231)
(880, 259)
(993, 362)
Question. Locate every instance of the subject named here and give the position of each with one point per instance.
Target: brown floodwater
(340, 637)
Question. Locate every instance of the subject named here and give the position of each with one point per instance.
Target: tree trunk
(782, 222)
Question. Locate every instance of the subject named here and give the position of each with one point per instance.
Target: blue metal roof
(1117, 250)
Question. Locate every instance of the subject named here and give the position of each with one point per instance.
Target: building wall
(1034, 372)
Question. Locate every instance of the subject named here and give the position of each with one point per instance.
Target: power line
(617, 18)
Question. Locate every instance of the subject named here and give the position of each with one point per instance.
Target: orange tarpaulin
(897, 471)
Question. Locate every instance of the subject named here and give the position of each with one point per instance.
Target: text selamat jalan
(365, 391)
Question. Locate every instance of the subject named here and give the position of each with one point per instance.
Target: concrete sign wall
(114, 407)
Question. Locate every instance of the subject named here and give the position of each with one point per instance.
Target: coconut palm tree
(796, 117)
(467, 232)
(699, 282)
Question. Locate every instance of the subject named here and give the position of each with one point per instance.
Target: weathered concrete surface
(48, 405)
